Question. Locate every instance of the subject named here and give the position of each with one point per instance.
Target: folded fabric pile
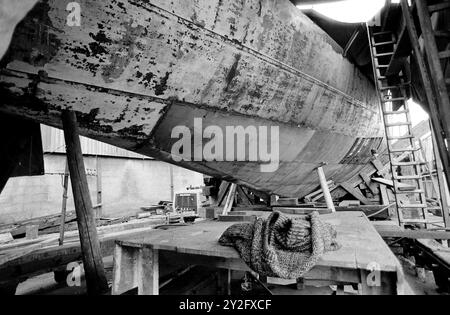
(281, 246)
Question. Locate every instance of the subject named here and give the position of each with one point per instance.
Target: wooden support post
(92, 258)
(432, 54)
(99, 210)
(64, 205)
(325, 189)
(443, 184)
(439, 114)
(230, 199)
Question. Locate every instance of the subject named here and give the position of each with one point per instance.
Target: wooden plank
(237, 218)
(309, 197)
(369, 183)
(443, 184)
(223, 189)
(432, 247)
(402, 52)
(437, 75)
(92, 258)
(381, 169)
(410, 234)
(13, 255)
(230, 199)
(331, 187)
(243, 196)
(384, 195)
(355, 193)
(62, 226)
(41, 260)
(390, 183)
(302, 211)
(439, 7)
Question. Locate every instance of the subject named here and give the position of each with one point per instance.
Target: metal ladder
(395, 111)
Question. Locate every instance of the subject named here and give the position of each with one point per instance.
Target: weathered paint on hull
(135, 69)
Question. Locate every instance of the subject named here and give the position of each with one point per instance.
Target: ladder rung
(383, 43)
(394, 87)
(442, 34)
(405, 150)
(383, 54)
(383, 66)
(408, 163)
(382, 33)
(395, 99)
(400, 137)
(414, 205)
(439, 7)
(444, 54)
(409, 177)
(416, 221)
(397, 112)
(398, 124)
(407, 192)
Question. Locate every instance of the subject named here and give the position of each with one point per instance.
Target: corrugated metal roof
(53, 142)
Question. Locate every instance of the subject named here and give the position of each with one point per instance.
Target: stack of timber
(20, 259)
(51, 224)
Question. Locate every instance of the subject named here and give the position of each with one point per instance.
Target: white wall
(128, 184)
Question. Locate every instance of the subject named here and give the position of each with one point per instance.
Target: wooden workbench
(136, 259)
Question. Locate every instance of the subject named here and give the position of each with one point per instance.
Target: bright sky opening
(349, 11)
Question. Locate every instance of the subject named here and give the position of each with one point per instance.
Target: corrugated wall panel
(53, 142)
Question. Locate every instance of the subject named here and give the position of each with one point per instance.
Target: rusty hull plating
(134, 69)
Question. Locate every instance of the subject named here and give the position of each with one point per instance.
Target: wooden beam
(62, 226)
(92, 258)
(351, 41)
(402, 52)
(224, 186)
(230, 199)
(440, 117)
(243, 196)
(412, 234)
(390, 183)
(372, 187)
(355, 193)
(443, 184)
